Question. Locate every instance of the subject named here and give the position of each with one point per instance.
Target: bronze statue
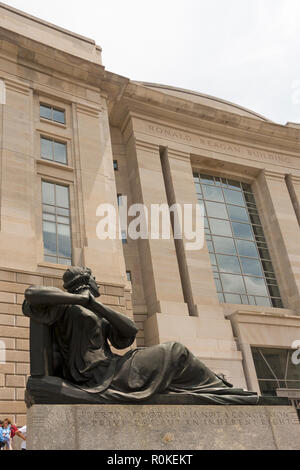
(85, 369)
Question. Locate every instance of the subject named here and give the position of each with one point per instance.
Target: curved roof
(206, 100)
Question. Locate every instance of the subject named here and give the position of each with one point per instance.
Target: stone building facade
(73, 136)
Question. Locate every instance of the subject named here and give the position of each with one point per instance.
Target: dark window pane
(258, 232)
(233, 283)
(261, 366)
(62, 196)
(251, 266)
(277, 303)
(229, 264)
(215, 209)
(48, 193)
(224, 245)
(273, 290)
(242, 231)
(234, 197)
(246, 248)
(238, 213)
(264, 253)
(249, 198)
(46, 148)
(45, 112)
(220, 227)
(256, 286)
(293, 371)
(268, 389)
(254, 219)
(49, 233)
(212, 193)
(247, 187)
(277, 359)
(267, 265)
(58, 116)
(234, 185)
(206, 179)
(60, 152)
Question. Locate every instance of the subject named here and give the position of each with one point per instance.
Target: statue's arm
(39, 295)
(121, 323)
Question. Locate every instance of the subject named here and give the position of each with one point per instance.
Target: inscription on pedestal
(165, 427)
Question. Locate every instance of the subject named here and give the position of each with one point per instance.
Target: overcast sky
(244, 51)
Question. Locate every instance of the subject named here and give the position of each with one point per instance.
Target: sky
(243, 51)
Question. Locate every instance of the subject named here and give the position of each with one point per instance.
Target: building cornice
(195, 116)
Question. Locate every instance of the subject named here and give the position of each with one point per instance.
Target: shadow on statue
(72, 362)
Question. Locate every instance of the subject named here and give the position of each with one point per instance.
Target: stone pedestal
(162, 427)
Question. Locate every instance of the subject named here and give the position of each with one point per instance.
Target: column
(207, 332)
(282, 232)
(95, 182)
(159, 266)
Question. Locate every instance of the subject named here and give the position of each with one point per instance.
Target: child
(4, 436)
(14, 431)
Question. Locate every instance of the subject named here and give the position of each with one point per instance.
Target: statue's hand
(85, 298)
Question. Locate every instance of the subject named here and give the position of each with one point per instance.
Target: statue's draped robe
(88, 362)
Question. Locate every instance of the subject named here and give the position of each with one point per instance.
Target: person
(14, 431)
(85, 329)
(2, 442)
(22, 432)
(5, 436)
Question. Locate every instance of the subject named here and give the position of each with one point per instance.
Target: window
(120, 199)
(240, 258)
(53, 150)
(128, 275)
(52, 114)
(116, 166)
(275, 369)
(56, 224)
(124, 237)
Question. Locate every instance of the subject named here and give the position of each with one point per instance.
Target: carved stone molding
(18, 87)
(88, 110)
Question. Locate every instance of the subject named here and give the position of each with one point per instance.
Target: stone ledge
(164, 427)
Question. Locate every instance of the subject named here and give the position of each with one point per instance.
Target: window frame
(220, 193)
(53, 108)
(54, 140)
(57, 257)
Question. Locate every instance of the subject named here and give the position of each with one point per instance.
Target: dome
(206, 100)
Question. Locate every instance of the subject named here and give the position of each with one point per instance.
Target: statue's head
(78, 279)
